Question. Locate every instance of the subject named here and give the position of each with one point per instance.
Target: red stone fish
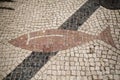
(53, 40)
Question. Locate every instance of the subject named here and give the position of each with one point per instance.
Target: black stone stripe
(8, 8)
(7, 1)
(110, 4)
(32, 64)
(81, 15)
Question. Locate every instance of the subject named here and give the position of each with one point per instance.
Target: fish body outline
(52, 40)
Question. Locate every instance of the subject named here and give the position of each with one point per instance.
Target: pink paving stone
(53, 40)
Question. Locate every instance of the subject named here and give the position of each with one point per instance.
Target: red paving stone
(53, 40)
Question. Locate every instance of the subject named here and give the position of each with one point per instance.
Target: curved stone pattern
(88, 62)
(98, 59)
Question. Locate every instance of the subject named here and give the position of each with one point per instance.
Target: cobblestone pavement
(94, 59)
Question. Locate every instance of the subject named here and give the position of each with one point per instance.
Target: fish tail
(106, 36)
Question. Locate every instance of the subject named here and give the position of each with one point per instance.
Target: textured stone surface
(27, 69)
(53, 40)
(95, 60)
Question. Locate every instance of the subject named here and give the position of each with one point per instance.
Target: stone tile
(97, 59)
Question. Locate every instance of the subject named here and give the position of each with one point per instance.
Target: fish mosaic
(53, 40)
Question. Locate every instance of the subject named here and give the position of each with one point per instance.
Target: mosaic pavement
(59, 40)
